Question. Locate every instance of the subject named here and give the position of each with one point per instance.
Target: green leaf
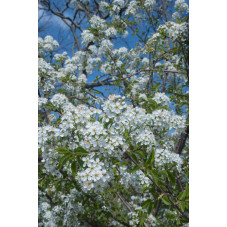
(150, 207)
(77, 186)
(151, 158)
(165, 200)
(62, 150)
(171, 214)
(146, 203)
(80, 161)
(141, 154)
(171, 177)
(134, 158)
(187, 190)
(74, 168)
(182, 206)
(124, 163)
(181, 196)
(152, 103)
(116, 162)
(114, 170)
(135, 169)
(142, 220)
(80, 151)
(154, 175)
(64, 159)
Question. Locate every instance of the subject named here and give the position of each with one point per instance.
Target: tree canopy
(113, 114)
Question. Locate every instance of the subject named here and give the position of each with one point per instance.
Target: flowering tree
(113, 117)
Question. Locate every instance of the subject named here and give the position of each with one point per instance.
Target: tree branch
(181, 143)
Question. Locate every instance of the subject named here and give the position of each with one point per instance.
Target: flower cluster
(46, 133)
(111, 32)
(98, 23)
(59, 100)
(161, 98)
(135, 181)
(134, 220)
(167, 120)
(48, 44)
(103, 6)
(87, 37)
(149, 3)
(106, 47)
(181, 5)
(165, 157)
(42, 102)
(146, 137)
(94, 176)
(132, 8)
(61, 57)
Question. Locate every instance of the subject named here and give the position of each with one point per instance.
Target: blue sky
(60, 31)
